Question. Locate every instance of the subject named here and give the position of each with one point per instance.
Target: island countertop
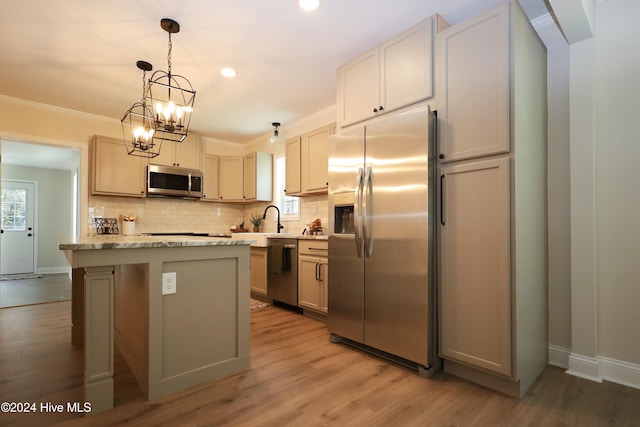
(145, 241)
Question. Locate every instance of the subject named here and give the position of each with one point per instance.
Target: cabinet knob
(441, 156)
(381, 108)
(375, 110)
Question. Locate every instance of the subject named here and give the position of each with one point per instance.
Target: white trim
(620, 372)
(559, 356)
(543, 21)
(596, 369)
(604, 368)
(54, 270)
(584, 367)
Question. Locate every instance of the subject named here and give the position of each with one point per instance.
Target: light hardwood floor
(297, 378)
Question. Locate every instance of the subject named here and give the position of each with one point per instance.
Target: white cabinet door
(188, 153)
(292, 166)
(258, 258)
(210, 172)
(250, 176)
(315, 160)
(474, 84)
(406, 67)
(475, 296)
(231, 178)
(358, 89)
(309, 290)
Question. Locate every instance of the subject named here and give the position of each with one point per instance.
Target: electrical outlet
(168, 283)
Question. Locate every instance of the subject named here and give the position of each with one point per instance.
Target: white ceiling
(81, 54)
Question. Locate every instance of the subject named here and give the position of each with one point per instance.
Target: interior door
(17, 227)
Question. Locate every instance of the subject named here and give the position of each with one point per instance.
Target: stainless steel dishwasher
(282, 272)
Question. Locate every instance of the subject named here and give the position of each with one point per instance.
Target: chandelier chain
(144, 86)
(169, 55)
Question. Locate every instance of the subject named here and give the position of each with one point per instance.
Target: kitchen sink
(260, 238)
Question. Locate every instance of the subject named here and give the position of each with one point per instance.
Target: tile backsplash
(157, 215)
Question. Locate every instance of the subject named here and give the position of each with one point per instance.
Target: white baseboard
(620, 372)
(597, 368)
(584, 367)
(559, 356)
(54, 270)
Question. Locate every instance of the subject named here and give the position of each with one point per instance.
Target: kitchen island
(177, 307)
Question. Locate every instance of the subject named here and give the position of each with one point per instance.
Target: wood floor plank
(297, 378)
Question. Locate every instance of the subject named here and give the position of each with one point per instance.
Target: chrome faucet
(264, 216)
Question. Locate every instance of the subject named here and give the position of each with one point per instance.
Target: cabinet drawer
(318, 248)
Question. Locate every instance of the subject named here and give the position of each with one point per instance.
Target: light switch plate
(168, 283)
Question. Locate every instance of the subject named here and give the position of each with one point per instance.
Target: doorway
(18, 212)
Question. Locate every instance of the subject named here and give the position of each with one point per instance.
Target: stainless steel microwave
(174, 181)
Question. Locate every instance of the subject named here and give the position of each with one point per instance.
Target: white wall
(605, 201)
(559, 209)
(617, 178)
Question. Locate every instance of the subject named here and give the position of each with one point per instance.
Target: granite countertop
(301, 236)
(144, 241)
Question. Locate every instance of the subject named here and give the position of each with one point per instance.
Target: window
(289, 206)
(14, 209)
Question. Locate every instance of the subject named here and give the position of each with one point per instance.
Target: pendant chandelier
(171, 96)
(138, 123)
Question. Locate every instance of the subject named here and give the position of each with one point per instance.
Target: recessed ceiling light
(309, 5)
(228, 72)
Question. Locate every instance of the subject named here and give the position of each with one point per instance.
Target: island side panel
(201, 332)
(98, 339)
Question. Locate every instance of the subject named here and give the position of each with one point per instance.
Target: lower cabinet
(313, 275)
(475, 270)
(258, 258)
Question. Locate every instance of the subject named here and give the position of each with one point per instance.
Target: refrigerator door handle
(367, 205)
(357, 213)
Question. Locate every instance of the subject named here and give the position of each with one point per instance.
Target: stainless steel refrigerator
(381, 237)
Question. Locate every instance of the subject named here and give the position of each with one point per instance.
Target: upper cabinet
(210, 176)
(231, 175)
(246, 179)
(258, 176)
(113, 171)
(185, 154)
(474, 84)
(393, 75)
(292, 166)
(307, 162)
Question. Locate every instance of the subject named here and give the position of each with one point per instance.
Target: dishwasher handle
(291, 246)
